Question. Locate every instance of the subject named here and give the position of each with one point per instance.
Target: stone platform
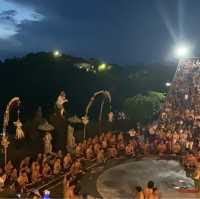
(120, 181)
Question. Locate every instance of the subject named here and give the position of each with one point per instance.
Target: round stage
(120, 181)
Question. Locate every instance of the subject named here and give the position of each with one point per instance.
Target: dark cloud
(8, 14)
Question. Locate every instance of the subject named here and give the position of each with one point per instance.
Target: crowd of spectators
(179, 122)
(98, 149)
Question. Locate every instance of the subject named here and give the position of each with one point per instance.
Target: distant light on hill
(102, 67)
(57, 53)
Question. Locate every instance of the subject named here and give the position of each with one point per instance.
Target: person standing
(61, 100)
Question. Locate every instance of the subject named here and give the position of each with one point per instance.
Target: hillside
(38, 78)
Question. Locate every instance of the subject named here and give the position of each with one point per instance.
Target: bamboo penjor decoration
(85, 118)
(19, 132)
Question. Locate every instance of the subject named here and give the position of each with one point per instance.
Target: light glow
(182, 51)
(168, 84)
(57, 53)
(102, 67)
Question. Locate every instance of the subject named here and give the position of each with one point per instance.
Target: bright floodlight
(168, 84)
(56, 53)
(182, 51)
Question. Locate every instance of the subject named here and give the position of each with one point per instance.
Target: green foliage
(157, 95)
(142, 108)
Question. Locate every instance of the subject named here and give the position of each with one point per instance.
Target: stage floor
(120, 181)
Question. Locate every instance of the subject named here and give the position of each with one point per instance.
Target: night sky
(116, 31)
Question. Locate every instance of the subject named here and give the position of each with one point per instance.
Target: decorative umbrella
(46, 127)
(74, 120)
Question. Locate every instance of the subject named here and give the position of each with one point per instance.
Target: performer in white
(47, 143)
(61, 100)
